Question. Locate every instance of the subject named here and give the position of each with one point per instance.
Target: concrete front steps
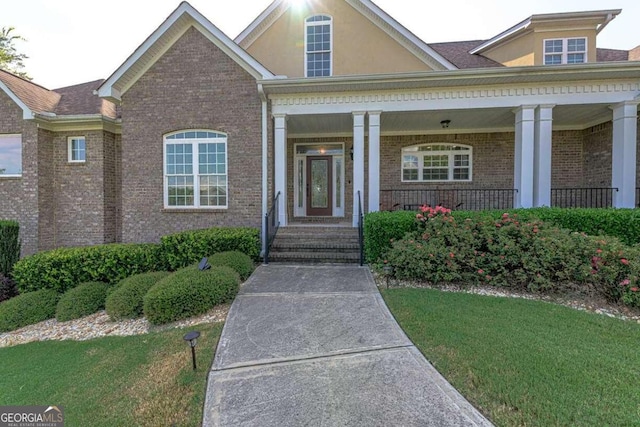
(315, 245)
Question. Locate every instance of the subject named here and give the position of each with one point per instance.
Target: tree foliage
(10, 59)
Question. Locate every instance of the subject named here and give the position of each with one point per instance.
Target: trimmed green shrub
(8, 288)
(624, 224)
(189, 292)
(527, 255)
(83, 300)
(381, 228)
(9, 246)
(188, 247)
(27, 309)
(241, 263)
(126, 299)
(63, 269)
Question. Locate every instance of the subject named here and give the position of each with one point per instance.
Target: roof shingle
(458, 54)
(37, 98)
(80, 100)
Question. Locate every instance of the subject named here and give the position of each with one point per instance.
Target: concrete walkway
(317, 346)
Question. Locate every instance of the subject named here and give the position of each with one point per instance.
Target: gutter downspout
(265, 165)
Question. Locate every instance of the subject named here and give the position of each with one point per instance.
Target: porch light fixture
(192, 339)
(445, 124)
(351, 152)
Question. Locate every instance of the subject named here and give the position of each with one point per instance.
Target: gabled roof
(602, 17)
(180, 20)
(368, 9)
(30, 97)
(458, 54)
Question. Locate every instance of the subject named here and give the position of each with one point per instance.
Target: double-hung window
(10, 155)
(195, 170)
(318, 46)
(77, 149)
(436, 162)
(565, 51)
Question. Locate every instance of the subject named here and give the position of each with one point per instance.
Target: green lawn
(527, 363)
(144, 380)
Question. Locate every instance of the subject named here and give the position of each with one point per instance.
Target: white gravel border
(98, 325)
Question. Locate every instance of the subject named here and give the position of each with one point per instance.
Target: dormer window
(565, 51)
(318, 46)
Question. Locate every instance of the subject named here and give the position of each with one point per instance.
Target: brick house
(323, 103)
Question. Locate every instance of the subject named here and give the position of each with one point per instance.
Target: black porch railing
(474, 199)
(360, 230)
(271, 226)
(582, 197)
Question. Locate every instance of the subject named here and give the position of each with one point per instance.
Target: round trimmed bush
(189, 292)
(27, 309)
(240, 262)
(125, 301)
(83, 300)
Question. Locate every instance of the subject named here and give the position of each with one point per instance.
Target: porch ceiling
(473, 120)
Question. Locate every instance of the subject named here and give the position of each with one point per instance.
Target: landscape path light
(192, 339)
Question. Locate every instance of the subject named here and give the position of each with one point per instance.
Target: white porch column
(374, 161)
(524, 160)
(625, 130)
(542, 156)
(280, 165)
(358, 163)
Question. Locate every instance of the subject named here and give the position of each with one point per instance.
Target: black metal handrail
(271, 226)
(360, 230)
(453, 198)
(597, 197)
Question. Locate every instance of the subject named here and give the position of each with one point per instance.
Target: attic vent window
(565, 51)
(318, 46)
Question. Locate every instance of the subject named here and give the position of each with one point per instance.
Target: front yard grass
(527, 363)
(143, 380)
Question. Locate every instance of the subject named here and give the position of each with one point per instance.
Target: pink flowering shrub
(527, 255)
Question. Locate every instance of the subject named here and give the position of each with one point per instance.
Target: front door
(319, 186)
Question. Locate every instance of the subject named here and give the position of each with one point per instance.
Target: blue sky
(75, 41)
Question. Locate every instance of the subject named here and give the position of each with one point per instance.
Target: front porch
(464, 143)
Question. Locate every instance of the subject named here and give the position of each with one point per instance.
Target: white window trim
(70, 149)
(421, 154)
(19, 135)
(306, 52)
(565, 50)
(196, 166)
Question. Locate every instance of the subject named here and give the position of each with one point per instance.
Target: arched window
(195, 169)
(318, 46)
(437, 162)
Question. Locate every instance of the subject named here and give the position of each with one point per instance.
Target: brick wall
(79, 191)
(19, 196)
(109, 185)
(597, 149)
(47, 196)
(194, 85)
